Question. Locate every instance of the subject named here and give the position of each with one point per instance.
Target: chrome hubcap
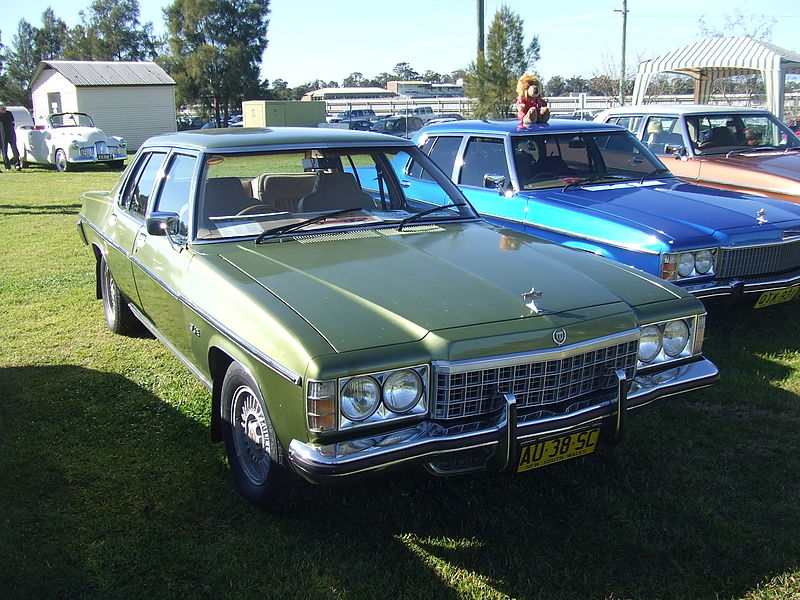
(250, 437)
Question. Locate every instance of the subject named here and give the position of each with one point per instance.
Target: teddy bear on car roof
(531, 107)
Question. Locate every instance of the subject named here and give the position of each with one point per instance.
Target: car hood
(395, 288)
(89, 134)
(776, 163)
(676, 211)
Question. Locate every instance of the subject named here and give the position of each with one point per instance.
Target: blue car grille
(554, 384)
(755, 261)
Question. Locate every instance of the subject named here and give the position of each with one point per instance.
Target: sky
(330, 40)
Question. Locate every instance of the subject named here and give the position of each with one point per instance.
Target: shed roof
(107, 73)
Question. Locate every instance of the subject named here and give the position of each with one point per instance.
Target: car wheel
(117, 165)
(62, 164)
(119, 317)
(256, 459)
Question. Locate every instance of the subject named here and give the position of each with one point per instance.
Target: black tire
(257, 461)
(119, 317)
(61, 162)
(117, 165)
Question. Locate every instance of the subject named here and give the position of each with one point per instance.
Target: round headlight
(703, 261)
(402, 390)
(649, 343)
(685, 264)
(675, 337)
(360, 398)
(76, 144)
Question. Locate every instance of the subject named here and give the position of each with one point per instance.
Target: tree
(215, 50)
(492, 78)
(22, 62)
(404, 72)
(111, 31)
(355, 79)
(556, 86)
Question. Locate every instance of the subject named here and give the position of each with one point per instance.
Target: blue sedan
(595, 187)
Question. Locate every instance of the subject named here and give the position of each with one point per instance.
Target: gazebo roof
(726, 56)
(712, 58)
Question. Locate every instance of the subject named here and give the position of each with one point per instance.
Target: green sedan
(344, 326)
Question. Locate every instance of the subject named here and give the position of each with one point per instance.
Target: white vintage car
(66, 140)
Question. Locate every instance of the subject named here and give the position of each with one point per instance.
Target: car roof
(681, 109)
(512, 126)
(243, 138)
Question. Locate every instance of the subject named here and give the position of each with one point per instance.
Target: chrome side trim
(583, 236)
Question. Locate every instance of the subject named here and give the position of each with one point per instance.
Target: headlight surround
(671, 340)
(402, 390)
(676, 266)
(75, 144)
(360, 398)
(367, 399)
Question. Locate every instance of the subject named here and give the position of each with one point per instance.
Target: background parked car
(66, 140)
(401, 126)
(344, 325)
(596, 187)
(733, 148)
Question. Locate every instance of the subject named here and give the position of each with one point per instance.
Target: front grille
(101, 148)
(551, 381)
(755, 261)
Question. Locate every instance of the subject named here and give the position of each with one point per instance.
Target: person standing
(8, 135)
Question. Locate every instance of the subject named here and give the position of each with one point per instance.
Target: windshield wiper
(652, 173)
(583, 181)
(419, 215)
(295, 226)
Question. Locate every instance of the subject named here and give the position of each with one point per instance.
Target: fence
(463, 106)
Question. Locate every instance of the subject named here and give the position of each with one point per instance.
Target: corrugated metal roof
(107, 73)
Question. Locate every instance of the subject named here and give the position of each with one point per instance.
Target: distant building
(133, 99)
(425, 89)
(345, 93)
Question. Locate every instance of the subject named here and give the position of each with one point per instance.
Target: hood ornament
(761, 218)
(531, 297)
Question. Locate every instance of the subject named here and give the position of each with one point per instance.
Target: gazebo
(712, 58)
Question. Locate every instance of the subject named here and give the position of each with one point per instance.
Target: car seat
(334, 190)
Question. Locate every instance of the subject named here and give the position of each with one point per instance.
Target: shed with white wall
(135, 100)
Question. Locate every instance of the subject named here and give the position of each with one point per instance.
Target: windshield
(71, 120)
(551, 161)
(267, 195)
(723, 133)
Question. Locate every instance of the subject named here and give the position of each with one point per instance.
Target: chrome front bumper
(500, 436)
(735, 288)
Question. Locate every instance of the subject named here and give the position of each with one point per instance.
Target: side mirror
(493, 180)
(163, 223)
(675, 150)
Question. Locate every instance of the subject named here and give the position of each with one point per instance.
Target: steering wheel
(255, 209)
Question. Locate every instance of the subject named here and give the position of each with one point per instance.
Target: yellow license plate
(558, 449)
(776, 297)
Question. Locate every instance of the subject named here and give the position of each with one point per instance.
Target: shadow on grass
(110, 492)
(39, 209)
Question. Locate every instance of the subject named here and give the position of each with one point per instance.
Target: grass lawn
(111, 488)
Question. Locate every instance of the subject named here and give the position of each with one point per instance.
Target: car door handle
(141, 238)
(405, 183)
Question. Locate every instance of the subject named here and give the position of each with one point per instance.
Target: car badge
(559, 336)
(761, 218)
(531, 298)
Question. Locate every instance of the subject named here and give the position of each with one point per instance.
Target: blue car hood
(673, 210)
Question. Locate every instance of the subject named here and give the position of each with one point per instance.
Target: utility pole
(480, 27)
(622, 82)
